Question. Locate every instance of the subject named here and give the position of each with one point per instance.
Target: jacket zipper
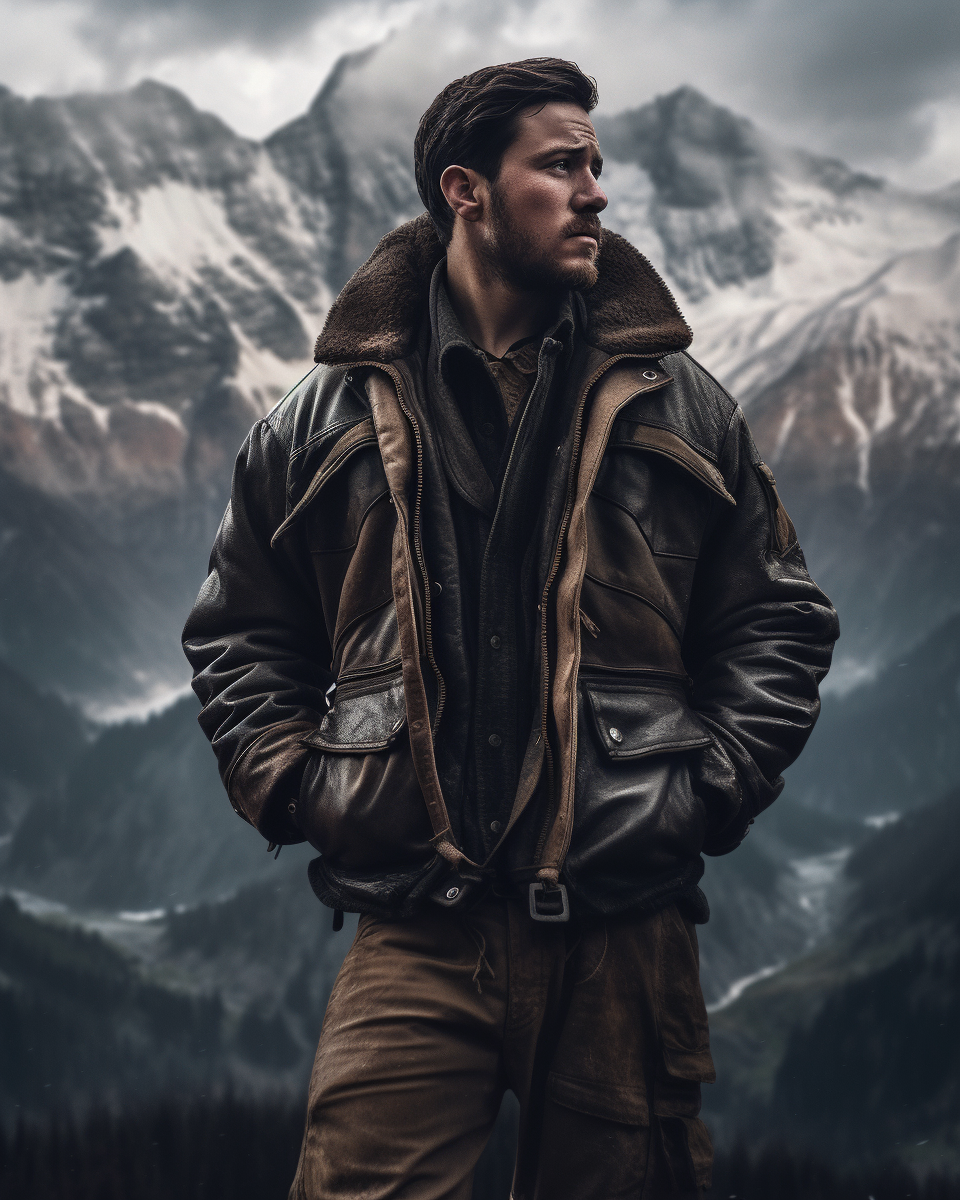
(390, 667)
(558, 554)
(638, 675)
(365, 678)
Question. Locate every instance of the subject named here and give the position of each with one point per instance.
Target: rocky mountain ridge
(162, 279)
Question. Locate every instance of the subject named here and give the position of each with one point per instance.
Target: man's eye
(562, 163)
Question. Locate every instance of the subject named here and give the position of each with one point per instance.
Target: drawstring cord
(482, 963)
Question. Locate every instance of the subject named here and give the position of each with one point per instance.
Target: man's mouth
(589, 231)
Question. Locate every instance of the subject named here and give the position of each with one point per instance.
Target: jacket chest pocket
(347, 523)
(336, 520)
(670, 489)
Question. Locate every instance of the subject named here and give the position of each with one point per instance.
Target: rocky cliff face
(158, 292)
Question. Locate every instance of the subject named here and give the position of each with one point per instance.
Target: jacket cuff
(266, 778)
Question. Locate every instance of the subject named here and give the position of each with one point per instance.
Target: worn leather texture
(360, 803)
(681, 613)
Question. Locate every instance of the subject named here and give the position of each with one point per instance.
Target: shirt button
(495, 826)
(487, 428)
(494, 739)
(495, 642)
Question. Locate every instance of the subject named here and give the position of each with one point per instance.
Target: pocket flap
(670, 445)
(611, 1102)
(632, 724)
(357, 436)
(693, 1065)
(362, 722)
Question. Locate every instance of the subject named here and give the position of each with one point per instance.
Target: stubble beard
(512, 257)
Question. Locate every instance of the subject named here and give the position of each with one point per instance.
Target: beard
(512, 256)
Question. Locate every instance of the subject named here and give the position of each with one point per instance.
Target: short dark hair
(473, 121)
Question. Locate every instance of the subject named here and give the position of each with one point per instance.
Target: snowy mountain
(827, 301)
(162, 279)
(158, 292)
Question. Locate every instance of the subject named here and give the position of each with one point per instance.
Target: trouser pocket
(596, 1140)
(682, 1148)
(682, 1144)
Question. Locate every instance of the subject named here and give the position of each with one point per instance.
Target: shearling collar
(377, 315)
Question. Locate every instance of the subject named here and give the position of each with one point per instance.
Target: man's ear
(465, 191)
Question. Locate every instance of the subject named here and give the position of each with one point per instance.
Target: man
(573, 642)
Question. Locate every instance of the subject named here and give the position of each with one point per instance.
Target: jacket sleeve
(759, 640)
(258, 646)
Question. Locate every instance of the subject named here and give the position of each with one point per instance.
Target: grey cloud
(151, 26)
(862, 70)
(848, 77)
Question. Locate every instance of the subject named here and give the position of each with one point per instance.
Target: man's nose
(591, 197)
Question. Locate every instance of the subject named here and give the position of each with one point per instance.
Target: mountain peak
(694, 151)
(339, 72)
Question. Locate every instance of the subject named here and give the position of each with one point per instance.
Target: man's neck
(494, 314)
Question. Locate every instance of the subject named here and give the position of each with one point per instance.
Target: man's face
(543, 228)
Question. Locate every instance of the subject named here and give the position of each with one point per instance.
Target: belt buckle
(548, 901)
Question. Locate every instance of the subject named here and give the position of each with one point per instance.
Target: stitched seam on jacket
(363, 520)
(615, 587)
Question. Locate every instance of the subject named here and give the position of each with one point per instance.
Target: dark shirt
(496, 472)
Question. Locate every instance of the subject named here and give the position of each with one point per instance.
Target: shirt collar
(449, 333)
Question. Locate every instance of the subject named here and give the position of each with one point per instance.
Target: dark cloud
(862, 70)
(117, 26)
(855, 78)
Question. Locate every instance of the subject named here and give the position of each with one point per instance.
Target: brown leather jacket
(682, 639)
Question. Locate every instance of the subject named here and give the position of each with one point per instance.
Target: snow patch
(812, 885)
(29, 309)
(739, 986)
(882, 820)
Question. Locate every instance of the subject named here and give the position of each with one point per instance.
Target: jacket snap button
(453, 893)
(650, 375)
(616, 734)
(495, 642)
(495, 826)
(494, 739)
(291, 807)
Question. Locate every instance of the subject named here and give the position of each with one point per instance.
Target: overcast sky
(876, 82)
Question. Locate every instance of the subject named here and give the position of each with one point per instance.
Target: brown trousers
(600, 1030)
